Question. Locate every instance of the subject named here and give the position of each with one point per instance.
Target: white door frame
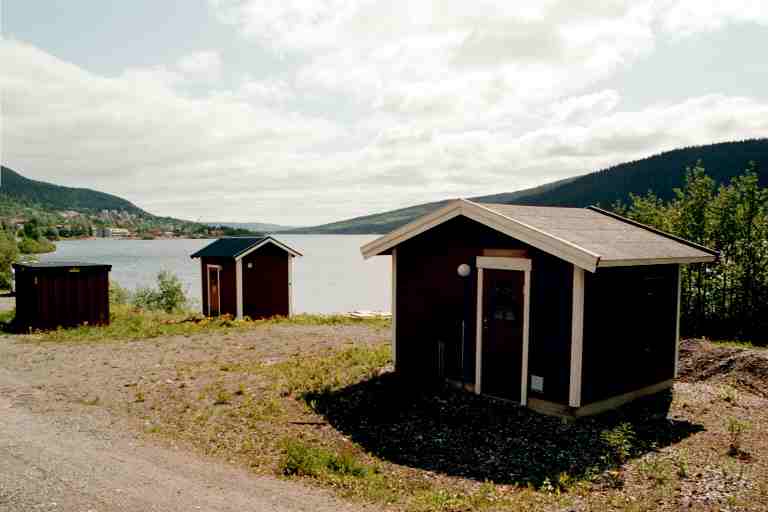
(503, 263)
(208, 269)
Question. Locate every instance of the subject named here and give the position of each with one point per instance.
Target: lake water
(331, 277)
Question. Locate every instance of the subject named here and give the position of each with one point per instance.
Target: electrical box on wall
(537, 383)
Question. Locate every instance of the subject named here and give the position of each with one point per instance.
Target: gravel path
(56, 455)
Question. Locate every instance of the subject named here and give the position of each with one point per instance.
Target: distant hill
(258, 227)
(661, 173)
(56, 197)
(387, 221)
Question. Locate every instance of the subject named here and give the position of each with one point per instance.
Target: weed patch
(302, 459)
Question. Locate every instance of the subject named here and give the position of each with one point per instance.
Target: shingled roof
(587, 237)
(238, 246)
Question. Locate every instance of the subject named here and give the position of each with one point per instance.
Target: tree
(32, 229)
(9, 252)
(728, 298)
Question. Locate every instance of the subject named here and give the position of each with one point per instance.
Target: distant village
(118, 224)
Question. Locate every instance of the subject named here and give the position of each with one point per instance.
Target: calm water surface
(331, 277)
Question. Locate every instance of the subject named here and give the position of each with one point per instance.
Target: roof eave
(267, 240)
(684, 260)
(547, 242)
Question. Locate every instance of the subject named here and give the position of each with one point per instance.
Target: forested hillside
(56, 197)
(660, 173)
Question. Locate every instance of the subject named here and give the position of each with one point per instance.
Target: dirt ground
(77, 423)
(69, 442)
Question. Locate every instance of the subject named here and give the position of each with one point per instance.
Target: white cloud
(205, 65)
(136, 135)
(685, 17)
(384, 104)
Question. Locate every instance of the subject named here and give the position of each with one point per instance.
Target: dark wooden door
(214, 292)
(503, 322)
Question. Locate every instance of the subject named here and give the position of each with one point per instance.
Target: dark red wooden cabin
(247, 276)
(61, 294)
(568, 311)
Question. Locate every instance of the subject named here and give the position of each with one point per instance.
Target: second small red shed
(247, 276)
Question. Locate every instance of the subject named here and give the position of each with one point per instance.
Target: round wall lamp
(463, 270)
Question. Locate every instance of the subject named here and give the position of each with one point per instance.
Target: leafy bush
(34, 246)
(8, 254)
(169, 295)
(117, 294)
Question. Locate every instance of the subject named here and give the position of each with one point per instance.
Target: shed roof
(238, 246)
(60, 265)
(587, 237)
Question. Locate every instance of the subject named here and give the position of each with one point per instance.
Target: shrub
(621, 441)
(169, 295)
(33, 246)
(8, 254)
(118, 295)
(736, 428)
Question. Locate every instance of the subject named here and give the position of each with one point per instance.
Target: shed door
(214, 290)
(503, 323)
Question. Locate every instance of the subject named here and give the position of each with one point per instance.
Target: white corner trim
(504, 263)
(268, 240)
(519, 230)
(526, 334)
(239, 291)
(394, 307)
(479, 334)
(290, 284)
(577, 338)
(677, 320)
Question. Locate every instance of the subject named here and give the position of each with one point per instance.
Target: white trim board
(655, 261)
(504, 263)
(512, 265)
(479, 334)
(394, 308)
(577, 338)
(239, 290)
(677, 319)
(268, 240)
(290, 285)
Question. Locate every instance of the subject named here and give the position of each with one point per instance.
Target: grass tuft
(302, 459)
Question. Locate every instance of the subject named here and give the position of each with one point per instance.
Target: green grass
(128, 323)
(7, 316)
(302, 459)
(304, 376)
(735, 344)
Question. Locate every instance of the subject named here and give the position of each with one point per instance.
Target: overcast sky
(308, 111)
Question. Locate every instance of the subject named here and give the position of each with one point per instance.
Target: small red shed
(247, 276)
(61, 294)
(569, 311)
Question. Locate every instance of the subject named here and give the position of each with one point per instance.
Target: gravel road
(56, 455)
